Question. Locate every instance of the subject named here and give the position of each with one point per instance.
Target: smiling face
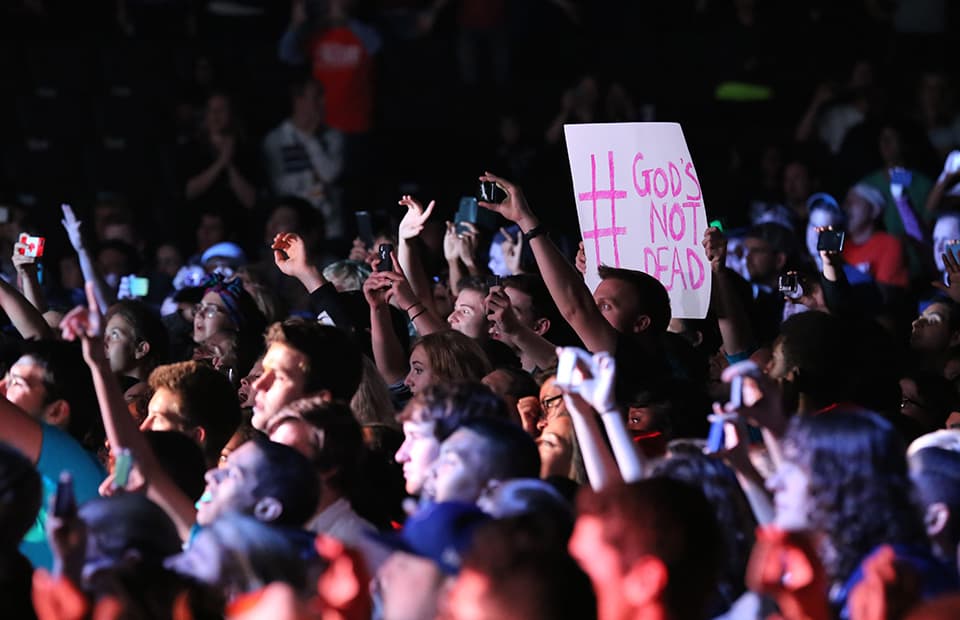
(25, 387)
(231, 487)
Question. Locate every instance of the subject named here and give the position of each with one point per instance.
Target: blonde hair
(371, 404)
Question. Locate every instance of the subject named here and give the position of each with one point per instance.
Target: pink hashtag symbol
(607, 194)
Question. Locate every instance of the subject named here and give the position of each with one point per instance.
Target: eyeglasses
(208, 311)
(909, 401)
(550, 402)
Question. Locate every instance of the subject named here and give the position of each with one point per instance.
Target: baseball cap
(822, 199)
(441, 532)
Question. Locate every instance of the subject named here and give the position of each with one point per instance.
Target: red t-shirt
(342, 61)
(881, 256)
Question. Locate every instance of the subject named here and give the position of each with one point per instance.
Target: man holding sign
(627, 315)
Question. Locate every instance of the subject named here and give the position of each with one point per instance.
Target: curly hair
(859, 485)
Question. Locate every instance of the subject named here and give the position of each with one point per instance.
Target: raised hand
(469, 239)
(72, 225)
(503, 320)
(21, 261)
(715, 244)
(512, 250)
(289, 253)
(451, 244)
(514, 207)
(415, 218)
(581, 260)
(83, 322)
(598, 389)
(377, 288)
(952, 269)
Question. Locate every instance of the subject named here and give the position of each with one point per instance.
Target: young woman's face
(420, 376)
(210, 317)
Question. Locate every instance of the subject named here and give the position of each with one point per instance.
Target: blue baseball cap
(822, 199)
(441, 532)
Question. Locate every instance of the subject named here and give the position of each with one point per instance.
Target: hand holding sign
(641, 207)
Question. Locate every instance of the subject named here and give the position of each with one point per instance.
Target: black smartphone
(386, 263)
(365, 228)
(789, 285)
(491, 192)
(64, 502)
(830, 241)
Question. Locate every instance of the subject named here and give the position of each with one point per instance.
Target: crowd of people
(238, 386)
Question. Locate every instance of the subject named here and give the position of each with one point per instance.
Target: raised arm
(566, 286)
(408, 254)
(72, 225)
(120, 427)
(28, 276)
(24, 316)
(451, 253)
(726, 303)
(388, 355)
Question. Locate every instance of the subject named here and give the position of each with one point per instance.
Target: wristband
(533, 233)
(412, 306)
(414, 317)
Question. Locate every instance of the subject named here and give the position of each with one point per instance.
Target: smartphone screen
(830, 241)
(467, 212)
(386, 261)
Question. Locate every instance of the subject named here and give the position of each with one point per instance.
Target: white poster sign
(640, 207)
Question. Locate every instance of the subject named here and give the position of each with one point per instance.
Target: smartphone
(4, 215)
(467, 212)
(121, 468)
(572, 366)
(34, 245)
(789, 285)
(386, 262)
(491, 192)
(64, 501)
(365, 228)
(830, 241)
(139, 287)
